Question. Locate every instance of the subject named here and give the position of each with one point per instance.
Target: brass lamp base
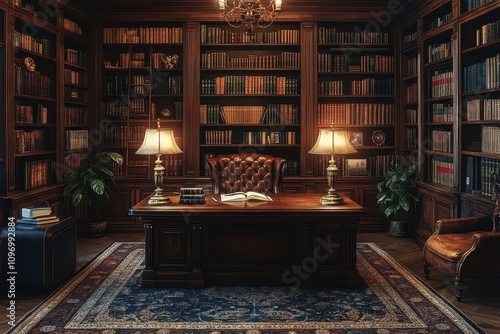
(331, 199)
(159, 198)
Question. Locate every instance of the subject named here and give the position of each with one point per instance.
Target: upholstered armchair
(246, 172)
(463, 249)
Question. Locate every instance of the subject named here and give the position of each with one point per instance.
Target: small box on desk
(45, 254)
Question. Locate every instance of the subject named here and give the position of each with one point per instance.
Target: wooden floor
(480, 301)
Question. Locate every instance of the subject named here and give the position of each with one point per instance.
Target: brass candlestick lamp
(159, 141)
(332, 142)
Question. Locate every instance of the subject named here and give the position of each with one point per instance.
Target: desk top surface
(290, 203)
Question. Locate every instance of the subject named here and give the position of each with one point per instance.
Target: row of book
(32, 114)
(472, 4)
(31, 83)
(410, 37)
(75, 57)
(249, 85)
(411, 138)
(29, 140)
(173, 164)
(39, 45)
(483, 75)
(37, 216)
(222, 60)
(33, 174)
(486, 110)
(74, 116)
(442, 141)
(442, 170)
(218, 137)
(490, 139)
(411, 116)
(217, 35)
(488, 33)
(71, 76)
(331, 87)
(328, 62)
(441, 112)
(337, 36)
(373, 86)
(442, 83)
(77, 139)
(412, 93)
(270, 137)
(356, 113)
(292, 167)
(412, 66)
(439, 21)
(149, 35)
(479, 175)
(438, 51)
(72, 26)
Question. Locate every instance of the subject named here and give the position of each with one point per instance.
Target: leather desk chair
(462, 248)
(246, 172)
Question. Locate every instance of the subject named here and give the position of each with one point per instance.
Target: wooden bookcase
(250, 92)
(76, 116)
(34, 69)
(480, 98)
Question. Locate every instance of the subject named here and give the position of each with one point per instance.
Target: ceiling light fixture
(249, 13)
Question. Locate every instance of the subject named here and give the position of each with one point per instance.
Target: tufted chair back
(246, 172)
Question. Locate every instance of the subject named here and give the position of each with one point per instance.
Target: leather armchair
(246, 172)
(462, 248)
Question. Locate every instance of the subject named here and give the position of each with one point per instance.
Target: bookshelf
(410, 94)
(480, 97)
(250, 92)
(356, 91)
(142, 81)
(76, 116)
(35, 105)
(438, 117)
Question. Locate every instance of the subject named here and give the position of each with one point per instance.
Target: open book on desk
(242, 196)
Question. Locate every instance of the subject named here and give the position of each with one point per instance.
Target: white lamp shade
(332, 142)
(158, 141)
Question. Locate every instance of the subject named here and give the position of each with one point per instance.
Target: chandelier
(249, 13)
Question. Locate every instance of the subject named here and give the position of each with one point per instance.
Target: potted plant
(91, 182)
(397, 195)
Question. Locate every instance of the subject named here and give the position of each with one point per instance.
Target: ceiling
(199, 10)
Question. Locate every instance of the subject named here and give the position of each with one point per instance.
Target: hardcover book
(242, 196)
(35, 212)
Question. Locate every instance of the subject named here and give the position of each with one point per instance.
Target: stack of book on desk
(192, 196)
(37, 216)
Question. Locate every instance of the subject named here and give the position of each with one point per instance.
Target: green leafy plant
(397, 192)
(92, 180)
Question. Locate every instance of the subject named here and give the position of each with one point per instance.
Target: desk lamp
(159, 141)
(332, 142)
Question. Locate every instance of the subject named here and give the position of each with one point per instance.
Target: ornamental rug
(106, 297)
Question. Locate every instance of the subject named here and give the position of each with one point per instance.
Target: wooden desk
(291, 241)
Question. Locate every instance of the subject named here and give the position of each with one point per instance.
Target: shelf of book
(480, 97)
(356, 92)
(142, 82)
(250, 95)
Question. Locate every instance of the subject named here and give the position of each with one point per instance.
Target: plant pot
(97, 229)
(399, 228)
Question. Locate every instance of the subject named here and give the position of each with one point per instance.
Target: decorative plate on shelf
(378, 138)
(29, 64)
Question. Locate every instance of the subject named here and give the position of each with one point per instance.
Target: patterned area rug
(106, 297)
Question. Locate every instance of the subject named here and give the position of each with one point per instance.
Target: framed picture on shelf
(356, 138)
(356, 167)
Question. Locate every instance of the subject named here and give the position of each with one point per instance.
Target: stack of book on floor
(37, 216)
(192, 196)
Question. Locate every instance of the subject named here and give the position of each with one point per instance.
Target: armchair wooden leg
(427, 269)
(458, 288)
